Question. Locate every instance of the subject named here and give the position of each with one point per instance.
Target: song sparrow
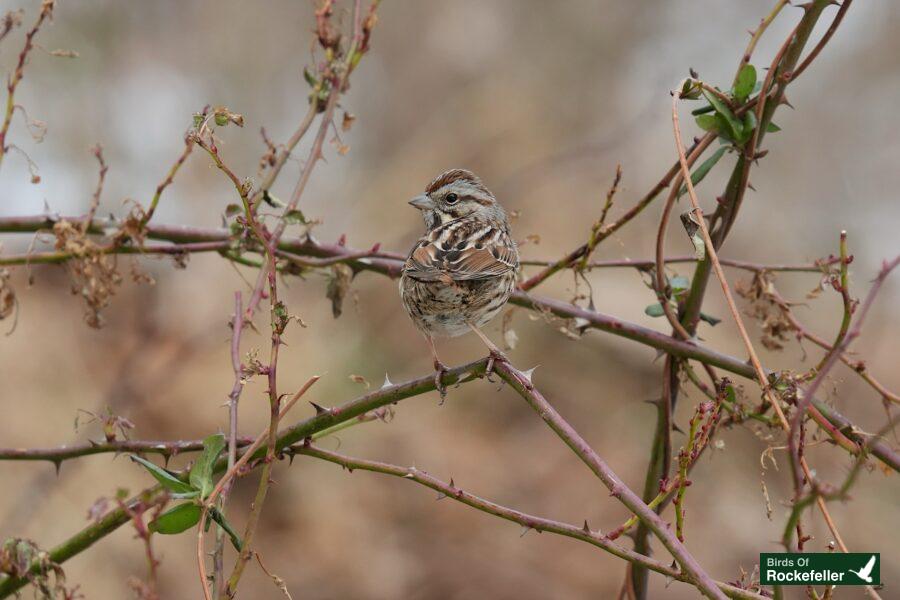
(461, 272)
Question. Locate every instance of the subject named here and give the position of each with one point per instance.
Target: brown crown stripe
(455, 175)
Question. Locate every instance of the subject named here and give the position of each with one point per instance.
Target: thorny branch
(763, 293)
(237, 328)
(845, 338)
(798, 461)
(455, 492)
(521, 383)
(720, 223)
(388, 264)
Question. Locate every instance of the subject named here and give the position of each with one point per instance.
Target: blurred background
(542, 101)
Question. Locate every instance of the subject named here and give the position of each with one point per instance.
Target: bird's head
(455, 194)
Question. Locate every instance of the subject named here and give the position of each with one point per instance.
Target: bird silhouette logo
(866, 572)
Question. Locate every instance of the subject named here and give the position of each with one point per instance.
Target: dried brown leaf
(338, 286)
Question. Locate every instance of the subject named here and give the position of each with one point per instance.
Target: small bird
(459, 275)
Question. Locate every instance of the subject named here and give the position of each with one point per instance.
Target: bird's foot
(440, 369)
(494, 356)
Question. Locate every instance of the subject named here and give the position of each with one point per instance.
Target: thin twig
(318, 263)
(285, 154)
(10, 20)
(824, 41)
(661, 284)
(97, 151)
(170, 177)
(44, 15)
(803, 404)
(80, 542)
(62, 257)
(857, 366)
(206, 140)
(210, 500)
(59, 454)
(645, 264)
(607, 231)
(756, 34)
(277, 324)
(315, 155)
(237, 327)
(680, 482)
(842, 285)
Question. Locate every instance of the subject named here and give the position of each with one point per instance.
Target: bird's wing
(866, 570)
(462, 252)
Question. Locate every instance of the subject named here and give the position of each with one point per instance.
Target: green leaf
(280, 311)
(734, 125)
(176, 519)
(219, 518)
(708, 122)
(704, 169)
(772, 128)
(309, 77)
(710, 319)
(168, 481)
(354, 60)
(730, 396)
(295, 216)
(749, 126)
(744, 84)
(233, 209)
(223, 117)
(654, 310)
(702, 110)
(750, 120)
(202, 471)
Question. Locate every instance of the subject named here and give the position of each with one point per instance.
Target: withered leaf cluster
(776, 327)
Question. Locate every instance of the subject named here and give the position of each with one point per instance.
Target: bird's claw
(440, 369)
(493, 357)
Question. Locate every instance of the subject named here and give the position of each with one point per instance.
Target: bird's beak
(422, 202)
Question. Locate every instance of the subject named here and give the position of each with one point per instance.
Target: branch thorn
(527, 374)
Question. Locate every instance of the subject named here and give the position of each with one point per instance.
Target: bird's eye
(451, 198)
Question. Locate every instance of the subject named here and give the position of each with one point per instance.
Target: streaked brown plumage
(461, 272)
